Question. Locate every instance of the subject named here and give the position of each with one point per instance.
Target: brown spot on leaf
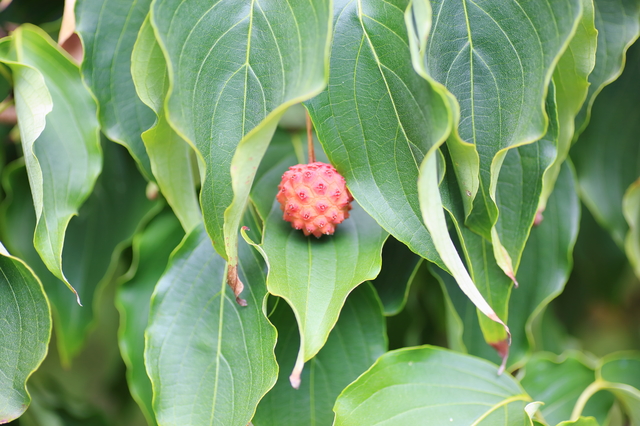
(236, 285)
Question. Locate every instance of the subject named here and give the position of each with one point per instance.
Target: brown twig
(312, 153)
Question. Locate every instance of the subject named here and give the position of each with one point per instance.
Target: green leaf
(546, 264)
(210, 360)
(610, 142)
(106, 223)
(108, 30)
(410, 385)
(378, 118)
(631, 211)
(368, 125)
(559, 382)
(170, 156)
(582, 421)
(234, 69)
(571, 82)
(315, 275)
(151, 249)
(354, 344)
(26, 331)
(63, 160)
(618, 24)
(491, 296)
(399, 267)
(497, 59)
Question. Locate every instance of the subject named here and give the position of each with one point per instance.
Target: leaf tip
(294, 378)
(502, 347)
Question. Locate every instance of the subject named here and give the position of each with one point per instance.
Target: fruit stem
(312, 154)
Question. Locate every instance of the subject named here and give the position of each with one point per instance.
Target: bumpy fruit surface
(314, 198)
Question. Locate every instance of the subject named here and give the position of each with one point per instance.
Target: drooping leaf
(546, 264)
(26, 330)
(618, 24)
(170, 156)
(356, 341)
(234, 68)
(545, 268)
(497, 59)
(571, 83)
(493, 286)
(108, 29)
(558, 382)
(399, 267)
(611, 142)
(151, 248)
(410, 385)
(315, 275)
(104, 227)
(210, 360)
(60, 137)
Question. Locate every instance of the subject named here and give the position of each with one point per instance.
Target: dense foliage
(487, 274)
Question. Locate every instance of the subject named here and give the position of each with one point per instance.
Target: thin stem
(312, 153)
(584, 397)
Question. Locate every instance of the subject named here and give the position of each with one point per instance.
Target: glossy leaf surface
(315, 275)
(26, 329)
(378, 118)
(225, 91)
(217, 371)
(497, 59)
(409, 385)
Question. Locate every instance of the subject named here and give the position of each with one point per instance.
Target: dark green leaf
(497, 59)
(356, 341)
(571, 82)
(210, 360)
(108, 29)
(399, 267)
(610, 142)
(26, 329)
(546, 265)
(378, 118)
(151, 250)
(234, 68)
(618, 24)
(631, 210)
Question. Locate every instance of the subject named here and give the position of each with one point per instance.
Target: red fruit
(314, 198)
